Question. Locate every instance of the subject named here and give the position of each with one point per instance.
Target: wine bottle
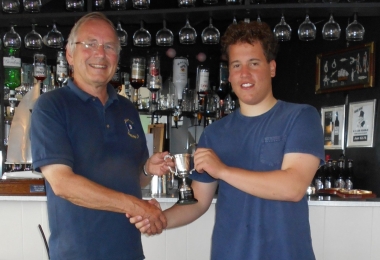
(336, 130)
(223, 87)
(350, 175)
(329, 180)
(340, 182)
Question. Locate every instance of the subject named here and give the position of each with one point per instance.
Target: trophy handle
(170, 169)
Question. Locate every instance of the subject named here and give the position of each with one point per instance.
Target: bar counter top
(313, 200)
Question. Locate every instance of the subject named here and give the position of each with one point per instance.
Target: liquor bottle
(350, 175)
(12, 73)
(62, 69)
(329, 179)
(336, 130)
(116, 79)
(154, 80)
(340, 180)
(223, 87)
(319, 179)
(203, 80)
(328, 128)
(137, 77)
(202, 86)
(180, 68)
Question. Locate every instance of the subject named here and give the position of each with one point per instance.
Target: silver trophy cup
(182, 170)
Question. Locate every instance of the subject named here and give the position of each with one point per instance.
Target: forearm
(180, 215)
(86, 193)
(287, 184)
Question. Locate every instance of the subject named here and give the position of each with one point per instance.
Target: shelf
(199, 14)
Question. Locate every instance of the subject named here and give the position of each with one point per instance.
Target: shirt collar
(112, 95)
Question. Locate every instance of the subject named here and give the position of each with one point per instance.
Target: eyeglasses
(94, 46)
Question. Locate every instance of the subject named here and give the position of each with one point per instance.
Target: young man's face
(250, 74)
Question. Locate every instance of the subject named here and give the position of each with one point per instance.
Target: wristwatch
(145, 173)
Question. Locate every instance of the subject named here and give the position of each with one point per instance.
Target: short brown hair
(251, 33)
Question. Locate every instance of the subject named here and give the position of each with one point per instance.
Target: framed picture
(346, 69)
(333, 121)
(361, 121)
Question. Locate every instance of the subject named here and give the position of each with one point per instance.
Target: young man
(263, 157)
(90, 146)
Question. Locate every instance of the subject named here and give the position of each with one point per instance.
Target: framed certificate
(333, 122)
(361, 121)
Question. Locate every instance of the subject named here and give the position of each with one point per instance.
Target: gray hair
(70, 46)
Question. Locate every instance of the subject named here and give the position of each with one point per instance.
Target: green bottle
(12, 69)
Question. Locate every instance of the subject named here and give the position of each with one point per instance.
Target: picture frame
(361, 122)
(333, 123)
(346, 69)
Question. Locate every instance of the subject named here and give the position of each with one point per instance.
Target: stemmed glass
(54, 38)
(210, 35)
(137, 76)
(164, 37)
(32, 6)
(307, 30)
(282, 31)
(12, 39)
(142, 37)
(122, 34)
(187, 34)
(33, 39)
(11, 6)
(355, 31)
(331, 30)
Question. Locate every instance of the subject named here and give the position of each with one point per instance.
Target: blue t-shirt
(248, 227)
(105, 144)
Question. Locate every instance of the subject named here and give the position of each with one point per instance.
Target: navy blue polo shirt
(105, 144)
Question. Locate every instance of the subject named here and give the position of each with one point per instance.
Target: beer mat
(22, 187)
(344, 193)
(22, 175)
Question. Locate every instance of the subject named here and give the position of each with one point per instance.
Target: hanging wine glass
(282, 31)
(54, 38)
(12, 39)
(32, 6)
(210, 35)
(142, 37)
(164, 37)
(355, 31)
(122, 34)
(331, 30)
(187, 34)
(137, 76)
(307, 30)
(118, 4)
(186, 3)
(33, 39)
(11, 6)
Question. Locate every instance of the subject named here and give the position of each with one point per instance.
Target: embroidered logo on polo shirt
(129, 125)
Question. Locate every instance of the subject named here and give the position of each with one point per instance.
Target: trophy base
(187, 202)
(186, 196)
